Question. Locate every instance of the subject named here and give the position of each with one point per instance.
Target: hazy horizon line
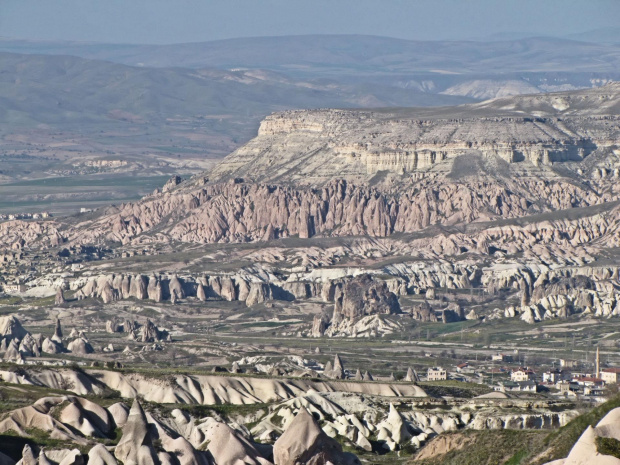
(496, 37)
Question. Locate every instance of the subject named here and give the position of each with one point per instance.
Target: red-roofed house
(588, 381)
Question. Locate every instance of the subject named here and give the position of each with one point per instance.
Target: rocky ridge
(399, 171)
(149, 434)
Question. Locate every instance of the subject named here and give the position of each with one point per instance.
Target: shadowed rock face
(135, 446)
(308, 147)
(585, 450)
(365, 296)
(304, 442)
(563, 286)
(60, 298)
(343, 172)
(11, 328)
(423, 312)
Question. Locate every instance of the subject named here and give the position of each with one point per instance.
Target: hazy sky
(176, 21)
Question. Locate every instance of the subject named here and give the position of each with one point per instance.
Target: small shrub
(608, 446)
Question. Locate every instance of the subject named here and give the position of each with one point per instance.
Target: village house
(610, 375)
(522, 374)
(522, 386)
(564, 363)
(567, 387)
(555, 376)
(436, 374)
(464, 367)
(14, 288)
(501, 358)
(588, 381)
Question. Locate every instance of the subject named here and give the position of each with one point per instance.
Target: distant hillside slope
(355, 51)
(483, 69)
(379, 173)
(70, 92)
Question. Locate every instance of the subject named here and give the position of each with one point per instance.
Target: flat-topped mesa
(309, 146)
(290, 121)
(376, 173)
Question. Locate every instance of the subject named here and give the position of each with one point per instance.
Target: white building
(436, 374)
(522, 374)
(568, 363)
(610, 375)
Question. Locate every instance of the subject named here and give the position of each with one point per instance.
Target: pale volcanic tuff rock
(112, 326)
(176, 288)
(13, 353)
(203, 389)
(367, 326)
(227, 446)
(200, 292)
(351, 417)
(60, 298)
(335, 371)
(154, 290)
(359, 419)
(18, 234)
(39, 415)
(315, 144)
(423, 312)
(240, 212)
(365, 296)
(305, 442)
(319, 325)
(151, 333)
(585, 450)
(51, 347)
(99, 455)
(147, 437)
(80, 346)
(354, 172)
(259, 292)
(136, 444)
(215, 287)
(138, 287)
(11, 328)
(420, 278)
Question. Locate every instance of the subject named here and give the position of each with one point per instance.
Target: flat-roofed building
(610, 375)
(522, 374)
(436, 374)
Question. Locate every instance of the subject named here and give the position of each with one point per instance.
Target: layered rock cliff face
(240, 212)
(347, 173)
(364, 295)
(512, 193)
(310, 146)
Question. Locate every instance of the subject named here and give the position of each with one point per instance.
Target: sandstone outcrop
(335, 371)
(80, 346)
(60, 297)
(364, 296)
(305, 442)
(57, 336)
(585, 449)
(11, 328)
(136, 445)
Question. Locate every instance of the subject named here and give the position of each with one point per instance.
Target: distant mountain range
(201, 101)
(58, 83)
(337, 54)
